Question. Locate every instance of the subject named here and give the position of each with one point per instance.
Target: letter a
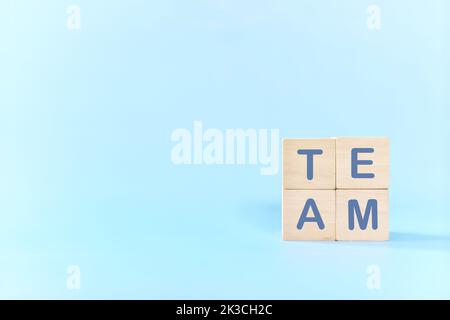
(310, 203)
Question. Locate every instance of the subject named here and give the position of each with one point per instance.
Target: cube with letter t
(335, 189)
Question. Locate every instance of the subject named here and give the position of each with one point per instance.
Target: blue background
(85, 122)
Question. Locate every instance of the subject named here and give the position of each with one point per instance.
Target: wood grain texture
(343, 231)
(293, 204)
(380, 166)
(295, 165)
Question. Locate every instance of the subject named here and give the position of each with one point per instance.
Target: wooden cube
(362, 215)
(362, 163)
(309, 215)
(309, 164)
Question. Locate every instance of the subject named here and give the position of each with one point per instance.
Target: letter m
(363, 220)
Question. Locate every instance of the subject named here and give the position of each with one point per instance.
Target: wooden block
(309, 164)
(309, 215)
(362, 163)
(362, 215)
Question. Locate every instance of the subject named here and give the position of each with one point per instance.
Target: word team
(336, 189)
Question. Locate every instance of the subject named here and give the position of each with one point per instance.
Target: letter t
(309, 160)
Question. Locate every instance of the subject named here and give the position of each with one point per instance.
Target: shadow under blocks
(336, 189)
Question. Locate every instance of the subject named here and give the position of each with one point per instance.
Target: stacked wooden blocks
(336, 189)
